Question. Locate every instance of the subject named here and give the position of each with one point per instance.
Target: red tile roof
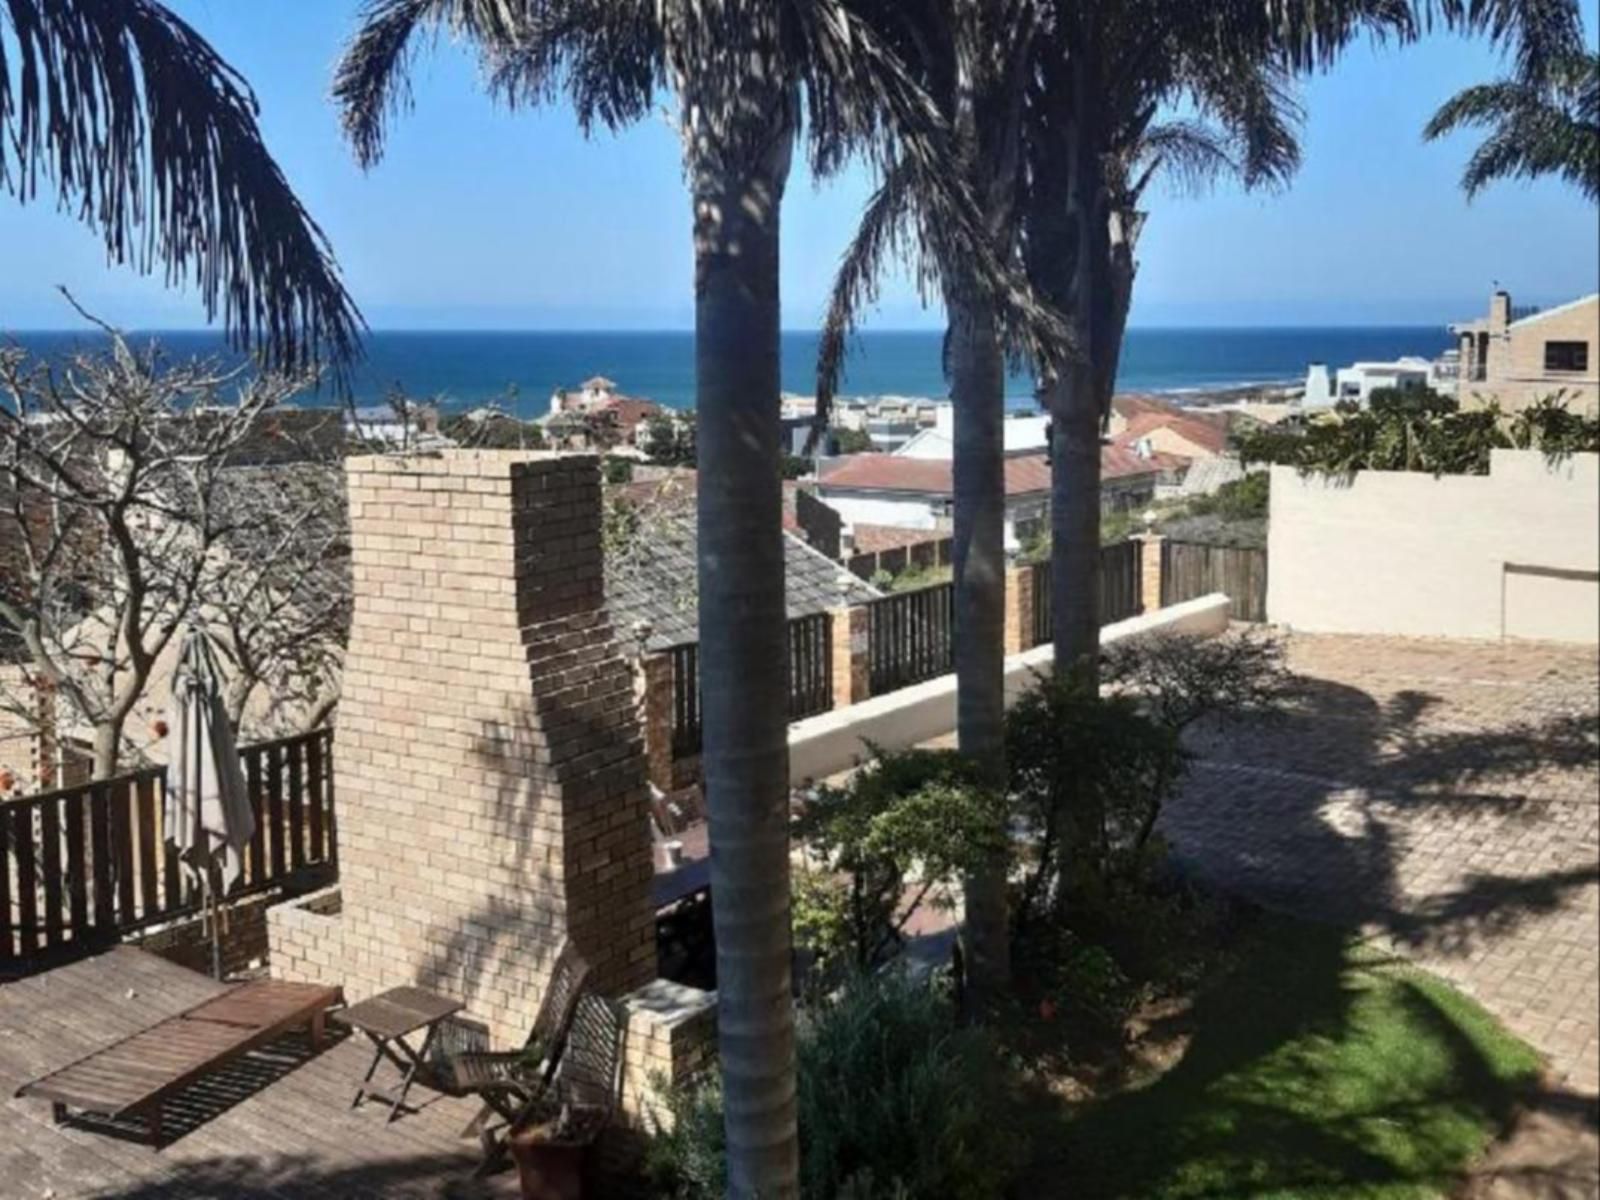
(930, 476)
(1206, 431)
(1026, 474)
(870, 539)
(1123, 462)
(627, 411)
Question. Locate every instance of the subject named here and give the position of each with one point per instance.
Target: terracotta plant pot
(547, 1172)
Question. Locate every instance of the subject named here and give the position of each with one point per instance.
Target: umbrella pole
(216, 932)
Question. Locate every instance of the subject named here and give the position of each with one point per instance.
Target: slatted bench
(131, 1079)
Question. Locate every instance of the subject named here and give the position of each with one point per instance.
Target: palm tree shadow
(1252, 1110)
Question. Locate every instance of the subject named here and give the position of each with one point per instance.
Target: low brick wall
(304, 939)
(244, 938)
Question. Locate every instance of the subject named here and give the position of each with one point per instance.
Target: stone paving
(1442, 794)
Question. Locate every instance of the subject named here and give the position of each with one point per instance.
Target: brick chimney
(489, 767)
(1499, 312)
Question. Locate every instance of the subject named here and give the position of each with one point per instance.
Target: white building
(1358, 381)
(1023, 435)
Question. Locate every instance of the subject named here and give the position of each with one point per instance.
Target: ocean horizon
(519, 370)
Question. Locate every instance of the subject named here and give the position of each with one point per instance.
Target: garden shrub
(896, 1102)
(1087, 778)
(877, 847)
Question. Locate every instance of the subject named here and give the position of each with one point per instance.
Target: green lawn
(1317, 1069)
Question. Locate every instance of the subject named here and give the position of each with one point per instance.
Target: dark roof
(654, 578)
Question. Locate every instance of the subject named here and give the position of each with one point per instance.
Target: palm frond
(139, 127)
(1549, 126)
(372, 80)
(880, 237)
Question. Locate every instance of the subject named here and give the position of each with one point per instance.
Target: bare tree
(277, 593)
(113, 468)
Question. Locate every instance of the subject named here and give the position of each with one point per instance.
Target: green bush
(903, 825)
(1088, 776)
(896, 1102)
(1415, 429)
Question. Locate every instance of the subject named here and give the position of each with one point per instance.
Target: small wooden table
(387, 1020)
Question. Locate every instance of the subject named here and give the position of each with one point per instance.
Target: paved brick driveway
(1445, 794)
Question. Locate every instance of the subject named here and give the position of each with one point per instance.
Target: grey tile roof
(653, 578)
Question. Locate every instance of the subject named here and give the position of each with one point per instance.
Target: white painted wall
(910, 511)
(824, 745)
(1515, 553)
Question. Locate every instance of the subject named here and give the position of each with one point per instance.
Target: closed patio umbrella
(207, 814)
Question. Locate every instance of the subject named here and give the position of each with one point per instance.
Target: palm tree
(977, 58)
(750, 78)
(1542, 126)
(1108, 62)
(134, 122)
(970, 56)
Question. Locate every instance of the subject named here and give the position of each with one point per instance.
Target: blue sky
(479, 218)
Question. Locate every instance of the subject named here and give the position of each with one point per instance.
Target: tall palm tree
(1541, 126)
(1108, 61)
(971, 56)
(750, 77)
(129, 118)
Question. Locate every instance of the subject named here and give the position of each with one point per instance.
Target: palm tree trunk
(743, 653)
(977, 388)
(1073, 403)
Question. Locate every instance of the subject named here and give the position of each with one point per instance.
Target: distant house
(387, 425)
(1357, 382)
(1023, 435)
(1516, 357)
(1186, 433)
(596, 416)
(918, 493)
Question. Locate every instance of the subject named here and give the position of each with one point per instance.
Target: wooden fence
(83, 866)
(935, 552)
(1190, 569)
(810, 673)
(910, 637)
(1121, 583)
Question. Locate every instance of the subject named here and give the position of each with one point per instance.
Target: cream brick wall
(489, 766)
(1515, 373)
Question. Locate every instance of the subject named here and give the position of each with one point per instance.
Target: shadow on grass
(1315, 1069)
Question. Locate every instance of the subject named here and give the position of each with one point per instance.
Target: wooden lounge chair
(131, 1079)
(577, 1105)
(508, 1080)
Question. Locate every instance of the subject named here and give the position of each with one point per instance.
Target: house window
(1566, 356)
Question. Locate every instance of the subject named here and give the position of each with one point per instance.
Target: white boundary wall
(1511, 554)
(835, 741)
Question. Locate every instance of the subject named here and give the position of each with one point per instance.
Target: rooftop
(1206, 432)
(654, 579)
(1025, 474)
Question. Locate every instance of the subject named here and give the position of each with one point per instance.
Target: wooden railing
(810, 669)
(83, 866)
(1190, 569)
(910, 637)
(1121, 584)
(810, 665)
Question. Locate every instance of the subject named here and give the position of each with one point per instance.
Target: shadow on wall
(540, 818)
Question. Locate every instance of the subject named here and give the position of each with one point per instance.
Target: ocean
(520, 369)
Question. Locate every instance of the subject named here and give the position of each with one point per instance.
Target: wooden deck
(275, 1123)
